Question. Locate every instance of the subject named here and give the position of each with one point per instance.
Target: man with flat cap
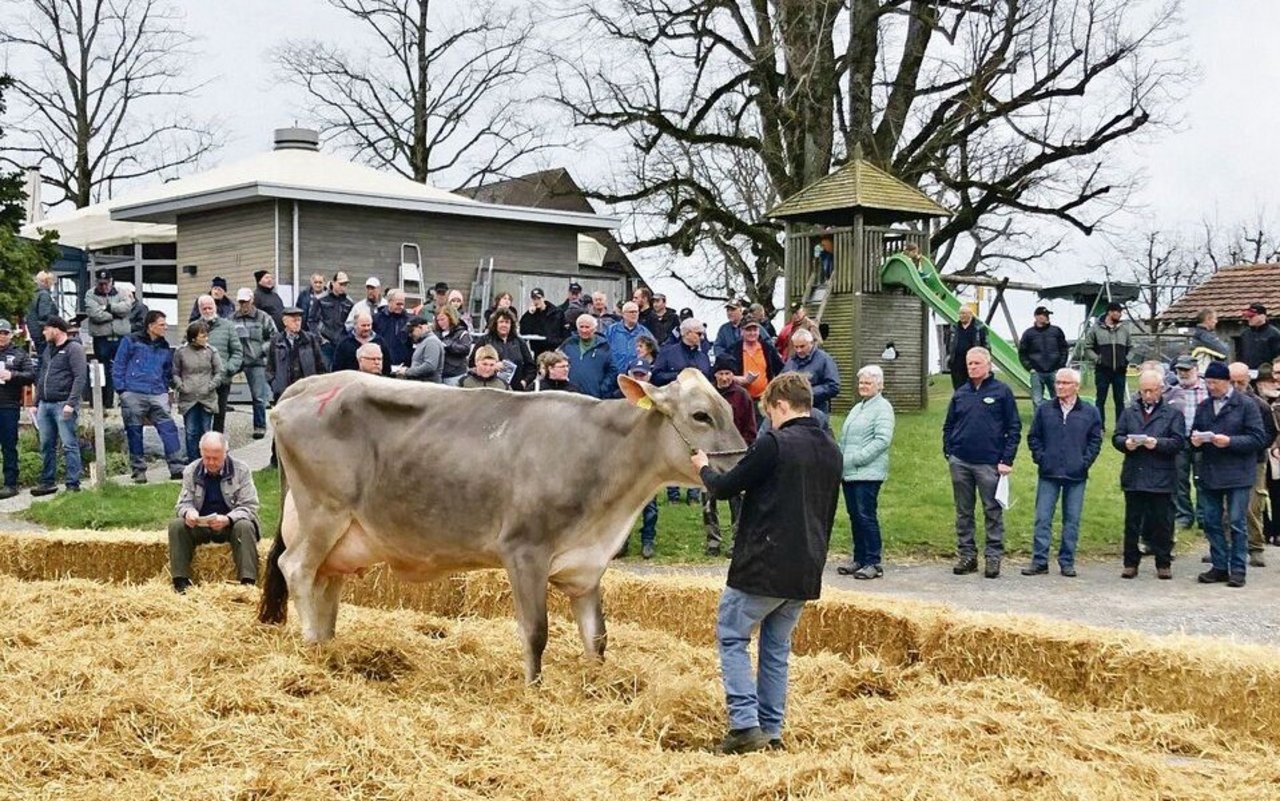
(108, 314)
(1043, 351)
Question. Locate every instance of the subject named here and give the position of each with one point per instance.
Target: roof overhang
(168, 209)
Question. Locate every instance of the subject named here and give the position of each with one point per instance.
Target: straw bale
(132, 692)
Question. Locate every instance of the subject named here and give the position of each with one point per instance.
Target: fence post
(97, 377)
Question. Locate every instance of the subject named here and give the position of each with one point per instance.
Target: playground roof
(1086, 293)
(858, 186)
(1228, 292)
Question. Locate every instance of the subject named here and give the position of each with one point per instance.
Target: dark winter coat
(63, 373)
(961, 340)
(772, 359)
(457, 347)
(1152, 470)
(1234, 466)
(548, 323)
(791, 480)
(1064, 450)
(1043, 350)
(344, 356)
(327, 317)
(143, 365)
(393, 329)
(512, 349)
(591, 366)
(676, 356)
(823, 374)
(42, 308)
(21, 372)
(224, 307)
(1258, 345)
(288, 362)
(982, 424)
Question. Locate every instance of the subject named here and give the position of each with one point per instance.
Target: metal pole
(99, 476)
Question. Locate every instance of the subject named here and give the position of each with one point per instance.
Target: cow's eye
(702, 417)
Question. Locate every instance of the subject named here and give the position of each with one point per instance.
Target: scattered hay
(132, 692)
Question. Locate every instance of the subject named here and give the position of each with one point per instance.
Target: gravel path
(1097, 597)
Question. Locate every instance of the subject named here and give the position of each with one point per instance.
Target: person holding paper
(1065, 439)
(1151, 434)
(979, 440)
(1240, 383)
(218, 503)
(1228, 433)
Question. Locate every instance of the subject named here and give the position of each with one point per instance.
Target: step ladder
(815, 299)
(481, 288)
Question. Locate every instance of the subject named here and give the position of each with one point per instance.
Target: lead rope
(693, 449)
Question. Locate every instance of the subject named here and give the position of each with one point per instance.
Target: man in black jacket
(791, 477)
(327, 316)
(1043, 351)
(1254, 515)
(16, 371)
(63, 373)
(965, 334)
(1260, 342)
(542, 320)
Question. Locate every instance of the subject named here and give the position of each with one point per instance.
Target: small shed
(1228, 292)
(861, 215)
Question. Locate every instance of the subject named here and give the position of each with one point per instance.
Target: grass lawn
(916, 511)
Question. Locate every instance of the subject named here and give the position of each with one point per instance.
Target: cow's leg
(314, 535)
(325, 595)
(527, 573)
(589, 613)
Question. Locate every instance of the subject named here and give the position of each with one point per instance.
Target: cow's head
(695, 412)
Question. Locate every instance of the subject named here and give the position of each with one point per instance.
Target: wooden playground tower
(869, 216)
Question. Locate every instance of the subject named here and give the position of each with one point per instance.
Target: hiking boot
(992, 567)
(1212, 576)
(139, 476)
(1068, 570)
(1256, 560)
(1236, 580)
(180, 585)
(1165, 573)
(743, 741)
(869, 572)
(8, 492)
(259, 433)
(848, 567)
(44, 489)
(646, 551)
(965, 564)
(1035, 570)
(1131, 572)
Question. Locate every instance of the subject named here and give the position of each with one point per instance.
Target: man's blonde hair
(794, 388)
(486, 352)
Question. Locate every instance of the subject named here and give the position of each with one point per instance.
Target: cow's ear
(641, 393)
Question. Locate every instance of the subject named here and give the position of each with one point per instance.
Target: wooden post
(98, 473)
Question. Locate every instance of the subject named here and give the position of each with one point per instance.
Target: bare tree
(432, 98)
(1254, 242)
(1007, 112)
(1164, 268)
(92, 108)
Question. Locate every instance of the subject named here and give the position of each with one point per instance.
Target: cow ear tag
(645, 403)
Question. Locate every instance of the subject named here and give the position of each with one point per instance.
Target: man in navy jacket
(979, 440)
(1228, 433)
(142, 372)
(1065, 439)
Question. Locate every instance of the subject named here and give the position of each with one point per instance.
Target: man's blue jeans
(759, 700)
(649, 523)
(54, 427)
(197, 422)
(9, 445)
(1230, 556)
(1047, 492)
(861, 499)
(260, 390)
(136, 408)
(694, 495)
(1041, 385)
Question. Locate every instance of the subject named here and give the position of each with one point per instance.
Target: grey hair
(1157, 374)
(692, 324)
(203, 298)
(362, 315)
(873, 372)
(590, 318)
(392, 294)
(214, 438)
(1074, 375)
(981, 351)
(1153, 366)
(803, 335)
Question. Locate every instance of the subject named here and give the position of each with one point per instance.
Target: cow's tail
(273, 606)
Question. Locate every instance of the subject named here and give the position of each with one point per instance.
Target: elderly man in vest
(218, 503)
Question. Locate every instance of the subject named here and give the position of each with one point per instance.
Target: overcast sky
(1221, 164)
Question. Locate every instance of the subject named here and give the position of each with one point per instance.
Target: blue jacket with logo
(591, 366)
(1234, 466)
(143, 365)
(1064, 450)
(982, 425)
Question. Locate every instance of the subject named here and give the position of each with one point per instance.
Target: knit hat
(219, 282)
(725, 363)
(1217, 370)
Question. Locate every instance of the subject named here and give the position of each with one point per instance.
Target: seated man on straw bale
(218, 503)
(791, 478)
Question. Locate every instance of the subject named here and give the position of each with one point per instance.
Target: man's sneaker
(1235, 580)
(869, 572)
(44, 489)
(993, 567)
(744, 741)
(180, 585)
(1035, 570)
(848, 567)
(1131, 572)
(1164, 573)
(259, 433)
(8, 492)
(965, 564)
(1068, 570)
(646, 551)
(1212, 576)
(1256, 560)
(139, 476)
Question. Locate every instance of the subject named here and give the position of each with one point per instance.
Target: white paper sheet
(1002, 492)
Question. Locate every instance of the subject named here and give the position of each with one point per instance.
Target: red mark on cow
(326, 397)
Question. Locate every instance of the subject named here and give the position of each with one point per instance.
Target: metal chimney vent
(297, 139)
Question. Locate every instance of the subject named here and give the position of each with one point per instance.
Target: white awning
(590, 251)
(91, 228)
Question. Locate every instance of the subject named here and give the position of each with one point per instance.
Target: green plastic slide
(925, 283)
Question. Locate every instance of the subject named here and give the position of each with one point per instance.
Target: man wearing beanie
(1228, 433)
(266, 299)
(223, 304)
(726, 375)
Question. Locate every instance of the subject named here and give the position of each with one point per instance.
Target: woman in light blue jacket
(864, 441)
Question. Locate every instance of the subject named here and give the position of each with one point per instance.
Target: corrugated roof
(312, 175)
(1228, 292)
(859, 185)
